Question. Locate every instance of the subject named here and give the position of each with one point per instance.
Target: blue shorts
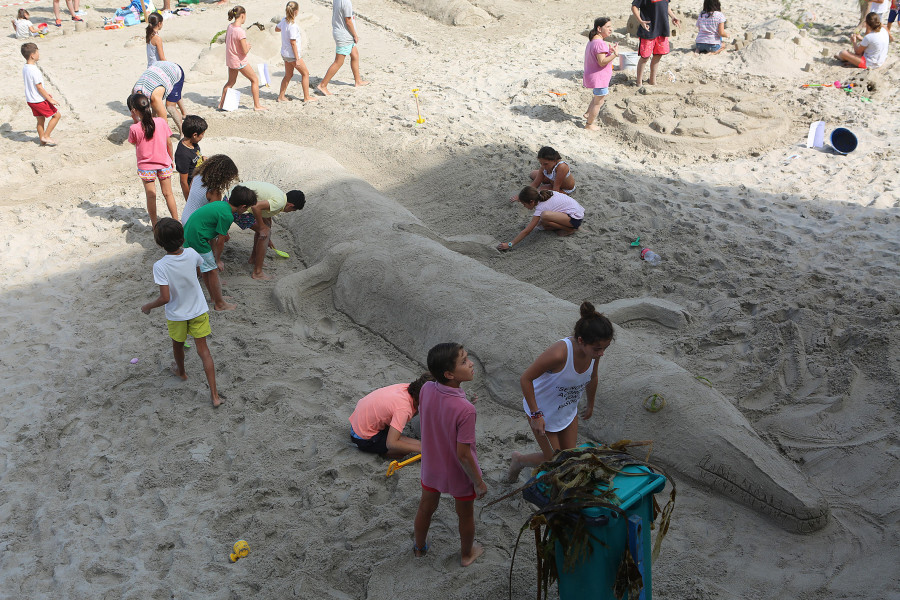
(575, 223)
(704, 48)
(601, 91)
(209, 262)
(344, 50)
(175, 96)
(893, 16)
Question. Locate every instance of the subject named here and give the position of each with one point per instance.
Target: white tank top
(557, 394)
(152, 54)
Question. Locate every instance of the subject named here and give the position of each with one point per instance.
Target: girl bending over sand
(236, 50)
(552, 210)
(554, 383)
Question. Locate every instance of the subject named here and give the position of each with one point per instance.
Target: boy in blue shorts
(179, 291)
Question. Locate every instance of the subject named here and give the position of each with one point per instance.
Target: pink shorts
(469, 498)
(658, 45)
(862, 63)
(151, 175)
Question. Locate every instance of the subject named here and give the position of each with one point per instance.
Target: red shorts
(862, 63)
(42, 109)
(468, 498)
(658, 45)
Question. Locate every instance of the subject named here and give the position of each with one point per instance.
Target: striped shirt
(708, 24)
(162, 73)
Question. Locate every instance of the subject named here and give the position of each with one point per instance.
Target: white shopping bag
(263, 70)
(816, 137)
(232, 99)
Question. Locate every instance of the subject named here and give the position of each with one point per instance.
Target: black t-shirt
(657, 12)
(187, 159)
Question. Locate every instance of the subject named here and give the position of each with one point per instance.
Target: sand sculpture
(392, 275)
(451, 12)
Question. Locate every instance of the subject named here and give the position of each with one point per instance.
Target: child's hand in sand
(146, 309)
(503, 247)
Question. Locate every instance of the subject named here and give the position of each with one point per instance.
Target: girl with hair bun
(555, 382)
(236, 50)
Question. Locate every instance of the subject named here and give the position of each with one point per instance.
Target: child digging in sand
(552, 210)
(449, 462)
(179, 291)
(379, 418)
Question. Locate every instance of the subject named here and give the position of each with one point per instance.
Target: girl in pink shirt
(236, 50)
(153, 145)
(598, 59)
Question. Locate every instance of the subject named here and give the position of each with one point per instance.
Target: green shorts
(198, 327)
(344, 50)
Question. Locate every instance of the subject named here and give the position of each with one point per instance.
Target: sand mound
(778, 57)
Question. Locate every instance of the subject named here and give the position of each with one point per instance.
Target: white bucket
(628, 60)
(232, 99)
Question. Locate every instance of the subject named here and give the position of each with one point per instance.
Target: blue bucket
(843, 141)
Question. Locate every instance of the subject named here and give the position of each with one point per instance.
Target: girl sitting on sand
(153, 145)
(24, 27)
(870, 51)
(554, 173)
(236, 50)
(552, 210)
(290, 52)
(211, 181)
(598, 59)
(554, 383)
(711, 24)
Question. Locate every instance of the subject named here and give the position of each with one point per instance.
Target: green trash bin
(595, 577)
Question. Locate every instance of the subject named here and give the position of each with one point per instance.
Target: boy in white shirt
(180, 292)
(41, 102)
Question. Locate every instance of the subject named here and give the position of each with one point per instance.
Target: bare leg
(331, 72)
(427, 505)
(558, 222)
(593, 111)
(232, 79)
(166, 187)
(218, 246)
(210, 369)
(176, 115)
(150, 191)
(257, 257)
(354, 67)
(304, 80)
(654, 63)
(178, 365)
(53, 121)
(288, 73)
(548, 444)
(40, 129)
(250, 74)
(468, 549)
(211, 279)
(640, 69)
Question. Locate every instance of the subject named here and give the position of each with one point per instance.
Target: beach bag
(131, 19)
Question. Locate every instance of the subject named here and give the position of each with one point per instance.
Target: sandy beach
(120, 481)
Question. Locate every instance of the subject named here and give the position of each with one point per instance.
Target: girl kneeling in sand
(554, 173)
(552, 210)
(554, 383)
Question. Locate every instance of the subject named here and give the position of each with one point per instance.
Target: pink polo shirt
(447, 418)
(235, 57)
(390, 406)
(152, 154)
(594, 76)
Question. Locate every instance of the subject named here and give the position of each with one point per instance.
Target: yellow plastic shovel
(396, 466)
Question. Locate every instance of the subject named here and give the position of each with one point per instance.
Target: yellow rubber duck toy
(241, 550)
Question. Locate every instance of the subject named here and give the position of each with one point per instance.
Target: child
(187, 154)
(377, 423)
(290, 52)
(186, 309)
(207, 222)
(552, 210)
(155, 51)
(870, 51)
(41, 102)
(236, 49)
(449, 461)
(711, 24)
(554, 173)
(210, 183)
(24, 27)
(150, 136)
(73, 7)
(598, 59)
(653, 16)
(892, 16)
(163, 84)
(345, 40)
(554, 383)
(270, 201)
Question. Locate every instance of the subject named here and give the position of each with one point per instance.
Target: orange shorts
(658, 45)
(862, 63)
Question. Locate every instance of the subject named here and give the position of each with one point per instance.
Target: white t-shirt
(289, 31)
(341, 10)
(23, 28)
(179, 272)
(560, 203)
(882, 9)
(33, 77)
(876, 45)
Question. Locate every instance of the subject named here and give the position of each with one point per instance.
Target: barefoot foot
(310, 98)
(260, 108)
(178, 372)
(47, 142)
(361, 83)
(217, 401)
(323, 89)
(262, 277)
(515, 467)
(592, 127)
(477, 550)
(225, 306)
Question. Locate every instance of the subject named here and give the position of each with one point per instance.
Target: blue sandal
(419, 552)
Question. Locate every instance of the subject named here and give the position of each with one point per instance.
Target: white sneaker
(80, 13)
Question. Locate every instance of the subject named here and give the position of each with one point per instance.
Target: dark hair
(549, 153)
(242, 196)
(217, 172)
(141, 104)
(192, 125)
(28, 48)
(236, 12)
(442, 358)
(152, 21)
(297, 198)
(873, 21)
(169, 234)
(530, 195)
(710, 6)
(416, 386)
(22, 14)
(598, 23)
(592, 327)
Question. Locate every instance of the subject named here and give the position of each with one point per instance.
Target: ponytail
(235, 12)
(592, 327)
(290, 11)
(598, 23)
(141, 104)
(152, 21)
(530, 196)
